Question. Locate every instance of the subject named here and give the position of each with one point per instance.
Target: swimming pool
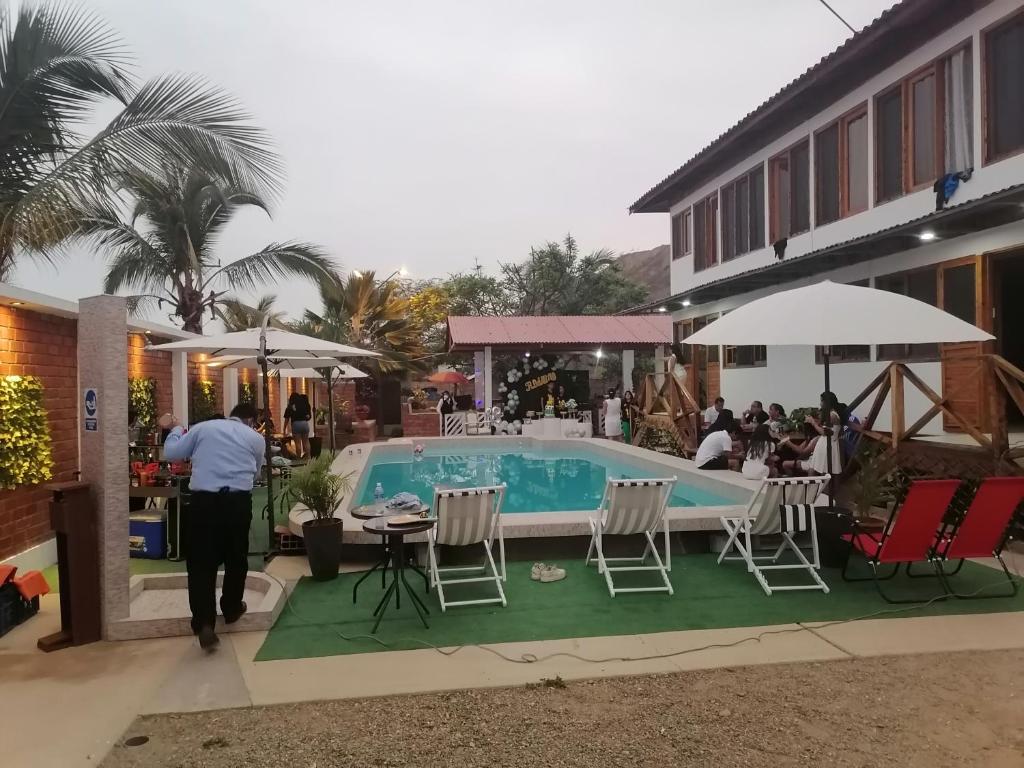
(540, 479)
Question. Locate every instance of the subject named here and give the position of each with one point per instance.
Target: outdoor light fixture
(527, 354)
(927, 236)
(686, 302)
(662, 309)
(17, 303)
(599, 354)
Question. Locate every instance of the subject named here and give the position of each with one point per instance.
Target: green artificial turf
(706, 596)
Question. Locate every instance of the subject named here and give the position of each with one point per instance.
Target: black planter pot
(323, 547)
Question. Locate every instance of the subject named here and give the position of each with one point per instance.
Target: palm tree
(171, 260)
(237, 315)
(56, 64)
(371, 315)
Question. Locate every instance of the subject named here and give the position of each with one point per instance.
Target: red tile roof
(575, 333)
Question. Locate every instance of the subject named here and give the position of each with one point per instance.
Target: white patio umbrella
(829, 314)
(266, 344)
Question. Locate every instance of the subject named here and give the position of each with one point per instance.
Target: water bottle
(378, 493)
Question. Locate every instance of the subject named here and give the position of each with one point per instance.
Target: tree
(557, 280)
(238, 316)
(429, 307)
(475, 293)
(170, 260)
(364, 313)
(56, 64)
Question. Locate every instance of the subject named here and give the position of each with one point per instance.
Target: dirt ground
(964, 709)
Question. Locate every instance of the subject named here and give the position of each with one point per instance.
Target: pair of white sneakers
(545, 573)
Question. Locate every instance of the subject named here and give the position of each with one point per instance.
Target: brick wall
(33, 344)
(149, 364)
(420, 423)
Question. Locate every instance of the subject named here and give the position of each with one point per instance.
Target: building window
(1004, 89)
(743, 215)
(746, 357)
(682, 242)
(923, 127)
(705, 233)
(790, 192)
(841, 168)
(889, 145)
(845, 353)
(923, 286)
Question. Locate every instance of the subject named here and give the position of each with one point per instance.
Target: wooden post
(898, 414)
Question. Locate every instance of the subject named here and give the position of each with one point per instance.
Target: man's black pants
(218, 525)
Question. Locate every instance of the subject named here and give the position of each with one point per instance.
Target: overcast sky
(431, 135)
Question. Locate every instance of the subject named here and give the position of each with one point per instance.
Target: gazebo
(563, 334)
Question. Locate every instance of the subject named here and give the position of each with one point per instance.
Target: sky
(433, 136)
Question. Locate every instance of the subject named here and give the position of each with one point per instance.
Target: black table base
(396, 548)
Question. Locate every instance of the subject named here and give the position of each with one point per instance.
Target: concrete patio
(96, 691)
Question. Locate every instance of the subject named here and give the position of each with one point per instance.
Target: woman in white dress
(759, 461)
(612, 410)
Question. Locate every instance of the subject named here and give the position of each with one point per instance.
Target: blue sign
(92, 409)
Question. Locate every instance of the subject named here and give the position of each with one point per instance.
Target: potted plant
(321, 491)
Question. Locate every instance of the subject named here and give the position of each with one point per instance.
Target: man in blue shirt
(226, 456)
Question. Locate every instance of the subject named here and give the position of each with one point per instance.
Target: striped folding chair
(467, 516)
(781, 506)
(631, 507)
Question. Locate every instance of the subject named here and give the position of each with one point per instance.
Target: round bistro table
(377, 511)
(395, 538)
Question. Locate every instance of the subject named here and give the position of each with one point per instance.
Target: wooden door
(963, 292)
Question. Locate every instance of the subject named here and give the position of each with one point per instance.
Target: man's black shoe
(208, 639)
(236, 616)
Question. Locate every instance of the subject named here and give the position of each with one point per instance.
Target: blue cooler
(147, 536)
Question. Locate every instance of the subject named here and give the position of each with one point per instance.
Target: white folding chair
(781, 506)
(633, 507)
(467, 516)
(473, 423)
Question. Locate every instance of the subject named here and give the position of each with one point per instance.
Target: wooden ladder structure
(990, 454)
(670, 408)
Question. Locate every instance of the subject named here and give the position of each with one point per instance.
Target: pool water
(543, 481)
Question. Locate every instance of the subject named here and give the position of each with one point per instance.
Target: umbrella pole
(266, 442)
(828, 434)
(330, 411)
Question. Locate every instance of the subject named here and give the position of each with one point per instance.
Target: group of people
(769, 451)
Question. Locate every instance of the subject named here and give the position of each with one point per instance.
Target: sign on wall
(91, 407)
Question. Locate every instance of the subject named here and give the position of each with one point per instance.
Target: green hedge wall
(25, 446)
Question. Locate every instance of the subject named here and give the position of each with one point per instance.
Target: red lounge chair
(910, 535)
(983, 530)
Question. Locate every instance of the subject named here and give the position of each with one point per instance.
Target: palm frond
(276, 261)
(175, 119)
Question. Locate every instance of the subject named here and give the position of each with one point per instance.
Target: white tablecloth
(556, 428)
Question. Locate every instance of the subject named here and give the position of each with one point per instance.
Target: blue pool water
(549, 480)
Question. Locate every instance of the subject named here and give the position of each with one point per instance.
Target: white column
(488, 378)
(179, 385)
(479, 395)
(103, 366)
(627, 369)
(230, 386)
(659, 365)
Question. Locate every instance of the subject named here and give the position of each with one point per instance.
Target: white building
(832, 178)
